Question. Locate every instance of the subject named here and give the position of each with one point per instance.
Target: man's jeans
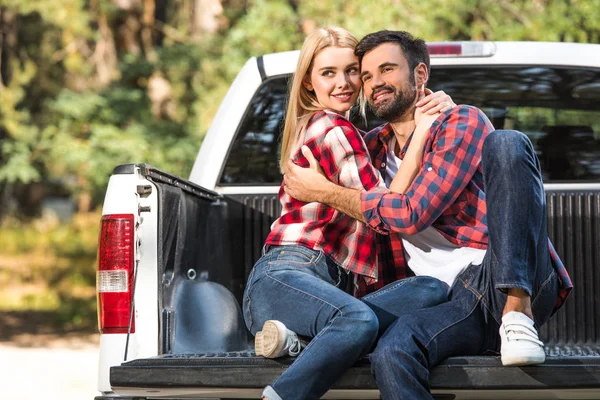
(517, 257)
(305, 290)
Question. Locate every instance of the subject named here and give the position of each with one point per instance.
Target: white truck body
(123, 197)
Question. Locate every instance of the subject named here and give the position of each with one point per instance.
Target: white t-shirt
(428, 252)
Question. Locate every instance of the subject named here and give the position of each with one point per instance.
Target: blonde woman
(315, 256)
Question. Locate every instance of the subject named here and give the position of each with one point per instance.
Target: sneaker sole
(520, 360)
(269, 341)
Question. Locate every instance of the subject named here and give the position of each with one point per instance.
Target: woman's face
(335, 78)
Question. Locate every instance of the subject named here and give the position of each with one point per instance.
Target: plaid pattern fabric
(447, 193)
(343, 156)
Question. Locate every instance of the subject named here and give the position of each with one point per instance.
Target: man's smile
(381, 95)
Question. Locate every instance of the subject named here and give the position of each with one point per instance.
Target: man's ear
(421, 76)
(306, 83)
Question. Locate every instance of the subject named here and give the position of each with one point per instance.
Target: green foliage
(21, 134)
(362, 17)
(269, 26)
(81, 91)
(48, 266)
(62, 117)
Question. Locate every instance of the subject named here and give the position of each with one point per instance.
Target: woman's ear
(421, 76)
(306, 83)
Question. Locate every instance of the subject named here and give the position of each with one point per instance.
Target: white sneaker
(275, 340)
(520, 342)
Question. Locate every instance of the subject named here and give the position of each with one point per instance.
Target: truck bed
(221, 363)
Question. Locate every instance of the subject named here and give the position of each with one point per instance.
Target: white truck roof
(213, 152)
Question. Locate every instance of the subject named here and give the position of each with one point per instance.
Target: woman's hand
(424, 122)
(425, 115)
(433, 103)
(305, 184)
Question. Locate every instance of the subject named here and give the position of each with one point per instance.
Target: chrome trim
(556, 187)
(549, 187)
(249, 190)
(363, 394)
(228, 393)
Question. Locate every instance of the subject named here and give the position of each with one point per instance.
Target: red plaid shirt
(343, 155)
(447, 193)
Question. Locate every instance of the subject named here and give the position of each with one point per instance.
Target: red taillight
(461, 49)
(444, 49)
(114, 282)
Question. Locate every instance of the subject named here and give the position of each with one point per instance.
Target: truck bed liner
(576, 368)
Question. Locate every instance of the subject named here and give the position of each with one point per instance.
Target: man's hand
(311, 185)
(305, 184)
(434, 103)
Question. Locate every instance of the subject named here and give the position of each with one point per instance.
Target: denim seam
(313, 260)
(250, 276)
(249, 312)
(481, 298)
(490, 311)
(339, 313)
(541, 289)
(246, 301)
(471, 289)
(307, 259)
(383, 291)
(511, 286)
(301, 291)
(451, 325)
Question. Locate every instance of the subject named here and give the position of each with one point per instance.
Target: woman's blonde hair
(302, 103)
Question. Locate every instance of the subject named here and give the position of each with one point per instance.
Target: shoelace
(516, 331)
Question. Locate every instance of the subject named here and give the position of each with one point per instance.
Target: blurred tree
(205, 17)
(88, 84)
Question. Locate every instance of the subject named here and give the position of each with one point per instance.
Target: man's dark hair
(415, 50)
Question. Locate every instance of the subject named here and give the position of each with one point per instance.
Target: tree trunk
(8, 44)
(84, 198)
(128, 5)
(205, 17)
(105, 54)
(147, 26)
(160, 15)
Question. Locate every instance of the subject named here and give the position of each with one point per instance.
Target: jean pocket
(296, 256)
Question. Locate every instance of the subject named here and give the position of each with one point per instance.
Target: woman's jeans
(304, 289)
(517, 257)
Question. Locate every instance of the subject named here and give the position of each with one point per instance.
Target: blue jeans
(305, 290)
(517, 257)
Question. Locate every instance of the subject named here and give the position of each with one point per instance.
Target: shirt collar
(386, 134)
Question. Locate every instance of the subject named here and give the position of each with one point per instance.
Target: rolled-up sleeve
(453, 156)
(370, 205)
(345, 159)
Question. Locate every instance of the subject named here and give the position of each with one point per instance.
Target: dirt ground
(41, 361)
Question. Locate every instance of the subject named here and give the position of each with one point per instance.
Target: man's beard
(391, 110)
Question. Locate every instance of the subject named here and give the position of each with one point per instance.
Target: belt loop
(265, 249)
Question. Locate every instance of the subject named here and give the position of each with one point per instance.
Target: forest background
(86, 85)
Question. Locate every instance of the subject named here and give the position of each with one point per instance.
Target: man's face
(388, 82)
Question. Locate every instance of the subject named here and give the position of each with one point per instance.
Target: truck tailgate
(242, 374)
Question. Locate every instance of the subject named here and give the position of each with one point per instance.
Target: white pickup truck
(174, 253)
